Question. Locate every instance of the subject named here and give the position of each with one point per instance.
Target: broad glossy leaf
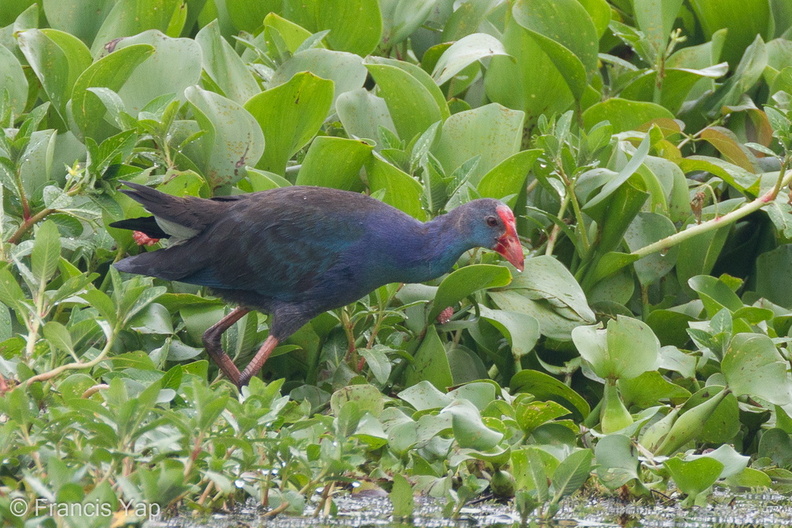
(130, 17)
(346, 70)
(423, 395)
(627, 349)
(81, 18)
(508, 177)
(334, 162)
(402, 497)
(520, 329)
(737, 177)
(694, 476)
(12, 79)
(355, 25)
(224, 66)
(469, 429)
(565, 32)
(400, 18)
(745, 19)
(753, 366)
(465, 52)
(430, 363)
(545, 387)
(676, 87)
(175, 65)
(111, 72)
(402, 191)
(623, 114)
(650, 387)
(617, 460)
(363, 113)
(655, 19)
(746, 75)
(290, 115)
(57, 59)
(715, 294)
(232, 137)
(465, 281)
(572, 473)
(249, 15)
(414, 100)
(492, 132)
(646, 229)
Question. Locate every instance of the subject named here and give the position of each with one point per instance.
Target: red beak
(509, 245)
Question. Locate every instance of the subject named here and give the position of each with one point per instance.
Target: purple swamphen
(295, 252)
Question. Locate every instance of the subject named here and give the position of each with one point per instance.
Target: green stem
(784, 179)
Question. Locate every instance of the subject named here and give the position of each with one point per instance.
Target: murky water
(724, 511)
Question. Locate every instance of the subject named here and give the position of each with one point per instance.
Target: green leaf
(646, 229)
(469, 429)
(58, 337)
(623, 114)
(572, 473)
(131, 17)
(492, 132)
(753, 366)
(626, 349)
(224, 66)
(111, 72)
(334, 162)
(430, 363)
(290, 115)
(464, 282)
(355, 25)
(363, 113)
(465, 52)
(414, 100)
(508, 177)
(545, 387)
(46, 252)
(423, 395)
(694, 476)
(402, 191)
(232, 139)
(377, 361)
(346, 70)
(745, 20)
(566, 33)
(401, 497)
(12, 79)
(521, 330)
(57, 59)
(400, 18)
(617, 460)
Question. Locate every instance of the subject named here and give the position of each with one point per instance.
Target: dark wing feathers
(144, 224)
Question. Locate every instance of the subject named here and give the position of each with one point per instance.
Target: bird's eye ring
(492, 221)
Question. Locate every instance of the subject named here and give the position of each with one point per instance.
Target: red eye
(492, 221)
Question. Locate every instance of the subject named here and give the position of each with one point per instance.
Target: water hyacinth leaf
(746, 75)
(753, 366)
(81, 18)
(400, 18)
(401, 497)
(430, 363)
(423, 395)
(617, 460)
(508, 177)
(545, 387)
(12, 79)
(624, 115)
(368, 398)
(334, 162)
(414, 100)
(111, 72)
(174, 66)
(465, 281)
(465, 52)
(646, 229)
(247, 15)
(222, 64)
(776, 444)
(566, 33)
(131, 17)
(650, 387)
(521, 330)
(715, 294)
(656, 20)
(532, 414)
(694, 476)
(733, 462)
(290, 115)
(363, 113)
(492, 132)
(154, 319)
(621, 178)
(626, 349)
(346, 70)
(745, 20)
(57, 59)
(355, 25)
(232, 140)
(469, 429)
(702, 407)
(402, 191)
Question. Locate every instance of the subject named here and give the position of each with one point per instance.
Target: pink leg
(258, 361)
(211, 340)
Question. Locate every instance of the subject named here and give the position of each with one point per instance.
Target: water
(724, 511)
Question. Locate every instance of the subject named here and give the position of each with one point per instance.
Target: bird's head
(494, 228)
